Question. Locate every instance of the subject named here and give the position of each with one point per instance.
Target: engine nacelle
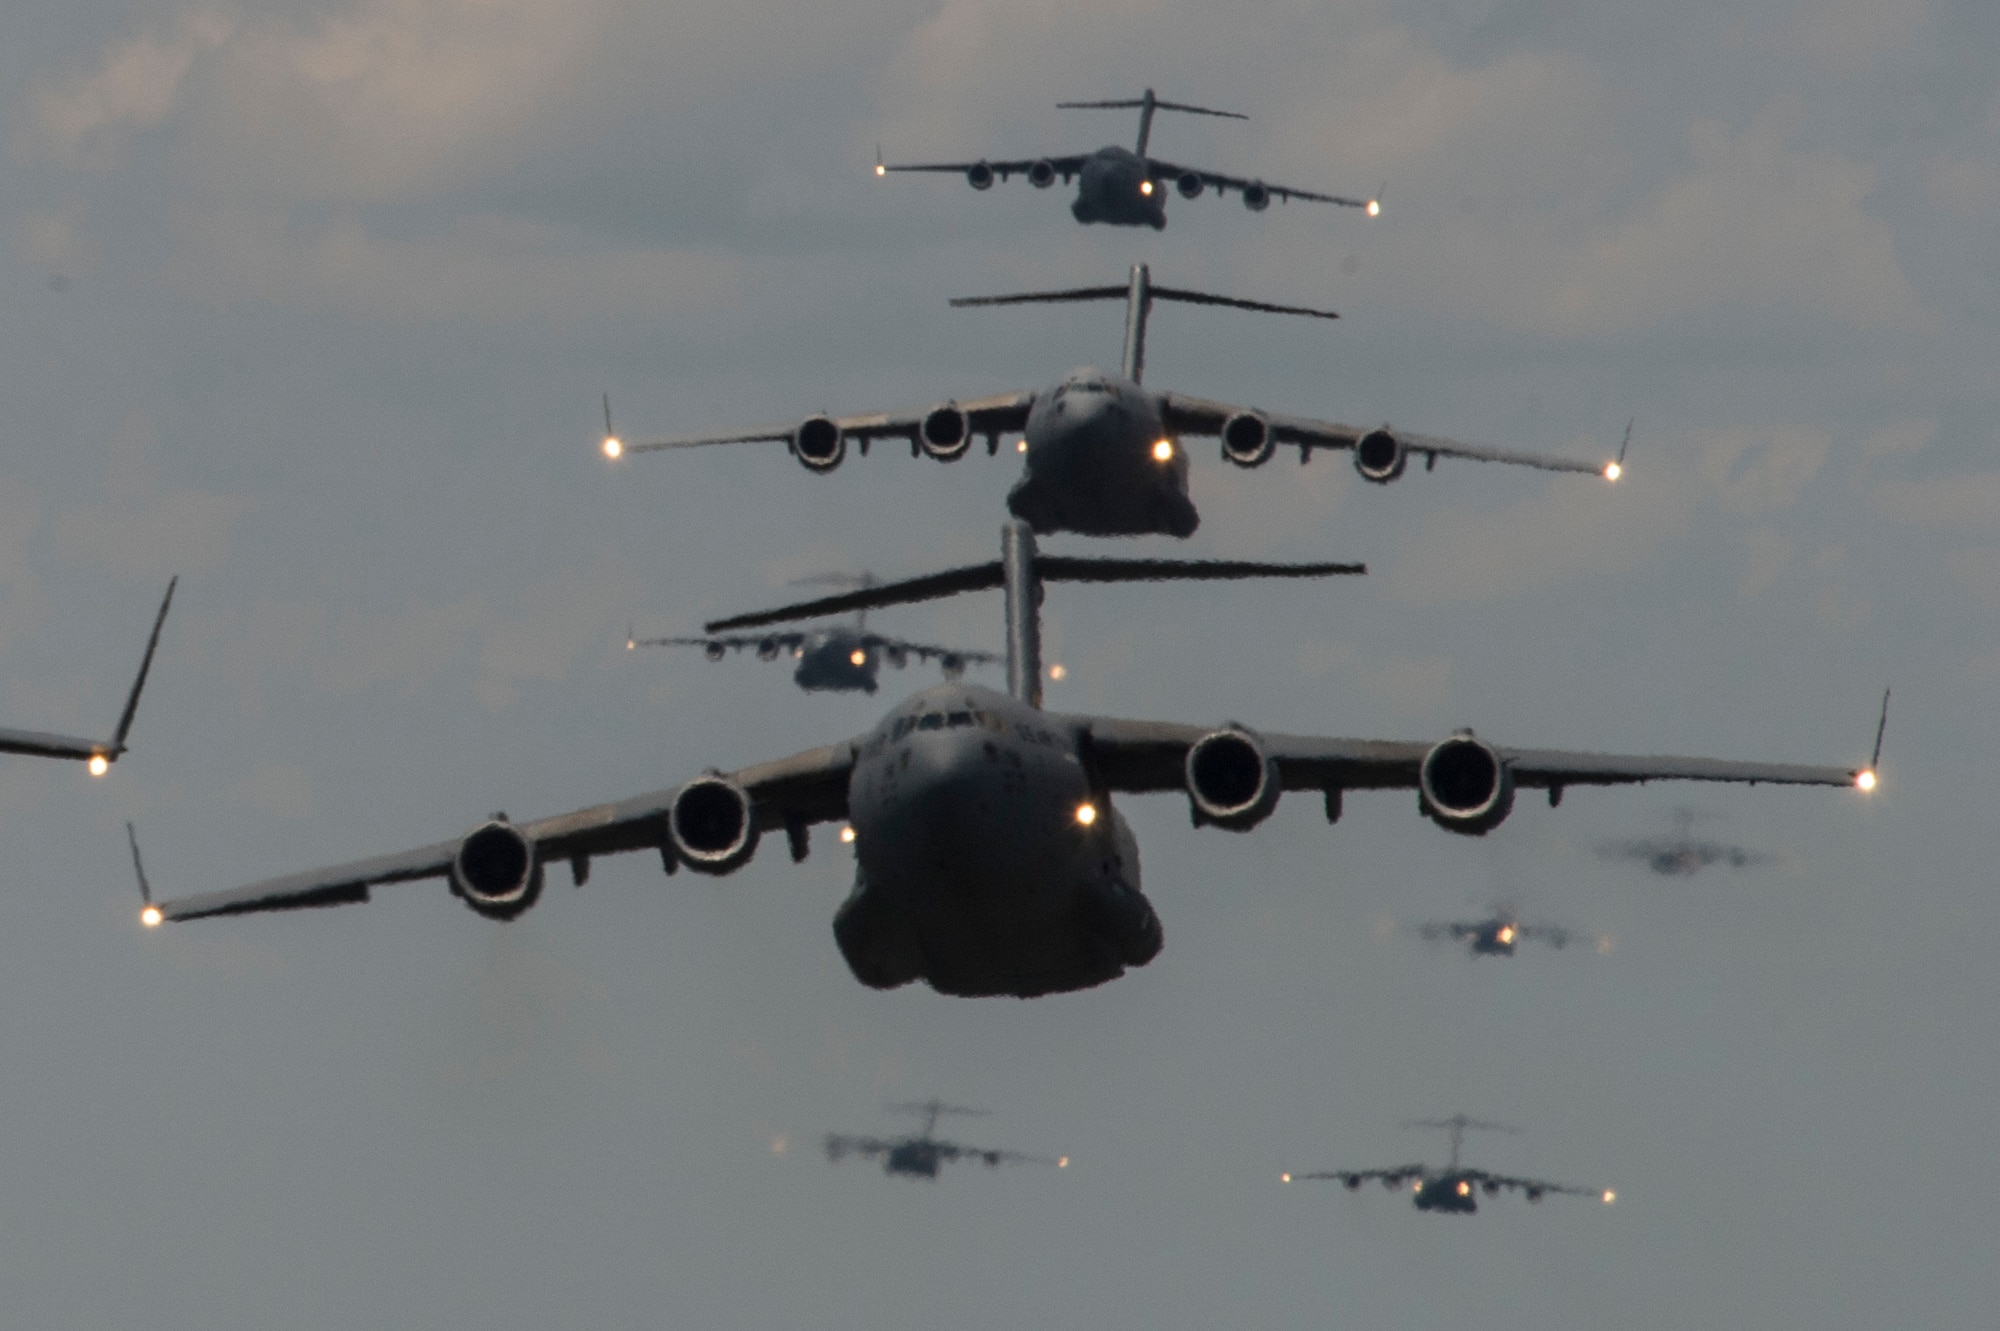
(1379, 457)
(768, 649)
(1231, 781)
(979, 176)
(1255, 197)
(495, 871)
(1190, 185)
(818, 444)
(1463, 787)
(1042, 174)
(1246, 439)
(946, 433)
(712, 826)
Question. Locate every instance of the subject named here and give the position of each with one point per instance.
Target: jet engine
(818, 444)
(979, 176)
(1463, 786)
(1231, 781)
(1379, 457)
(495, 871)
(946, 433)
(712, 826)
(1190, 185)
(1255, 197)
(1246, 439)
(767, 649)
(715, 651)
(1042, 174)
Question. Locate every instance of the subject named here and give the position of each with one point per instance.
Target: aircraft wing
(1222, 184)
(1142, 756)
(736, 642)
(1186, 415)
(1434, 930)
(1066, 167)
(925, 651)
(1354, 1178)
(810, 787)
(840, 1144)
(1532, 1186)
(1000, 413)
(35, 743)
(992, 1159)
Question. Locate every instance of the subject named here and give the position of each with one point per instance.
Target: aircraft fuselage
(976, 870)
(1092, 466)
(1111, 188)
(1452, 1193)
(828, 661)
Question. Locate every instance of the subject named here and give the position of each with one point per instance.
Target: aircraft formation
(991, 855)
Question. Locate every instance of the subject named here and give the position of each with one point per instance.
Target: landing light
(1416, 1185)
(1507, 933)
(1374, 207)
(151, 917)
(613, 446)
(858, 656)
(99, 764)
(1612, 471)
(1086, 814)
(1021, 446)
(1163, 451)
(847, 835)
(1146, 187)
(1284, 1178)
(1063, 1163)
(1464, 1189)
(1609, 1196)
(1863, 779)
(1058, 671)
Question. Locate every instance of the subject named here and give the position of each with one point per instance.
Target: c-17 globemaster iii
(1127, 186)
(1455, 1189)
(1105, 455)
(990, 858)
(96, 754)
(923, 1155)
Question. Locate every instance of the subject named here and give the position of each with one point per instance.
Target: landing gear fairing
(1104, 454)
(990, 857)
(1127, 186)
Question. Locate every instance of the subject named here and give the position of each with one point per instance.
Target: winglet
(1866, 778)
(880, 169)
(1616, 467)
(117, 745)
(613, 446)
(149, 914)
(1374, 205)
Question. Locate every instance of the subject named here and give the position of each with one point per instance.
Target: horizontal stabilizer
(1158, 105)
(1153, 292)
(1048, 568)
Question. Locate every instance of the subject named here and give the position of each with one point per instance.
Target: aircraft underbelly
(1093, 473)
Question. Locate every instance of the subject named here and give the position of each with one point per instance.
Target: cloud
(86, 119)
(1847, 36)
(144, 526)
(1968, 501)
(1963, 186)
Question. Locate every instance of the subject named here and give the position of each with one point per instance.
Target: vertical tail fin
(1024, 612)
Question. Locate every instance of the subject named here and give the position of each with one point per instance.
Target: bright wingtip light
(1063, 1163)
(1612, 471)
(1163, 451)
(99, 764)
(881, 170)
(1058, 671)
(1863, 780)
(1284, 1178)
(151, 917)
(1609, 1196)
(614, 447)
(1086, 814)
(1374, 207)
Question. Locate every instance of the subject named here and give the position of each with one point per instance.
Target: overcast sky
(311, 303)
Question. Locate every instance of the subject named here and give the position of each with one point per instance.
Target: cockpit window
(931, 721)
(960, 719)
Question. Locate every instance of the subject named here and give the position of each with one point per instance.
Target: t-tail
(1022, 571)
(1147, 105)
(1139, 293)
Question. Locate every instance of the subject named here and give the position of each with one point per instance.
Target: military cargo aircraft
(1454, 1189)
(921, 1156)
(1127, 187)
(840, 660)
(1104, 455)
(96, 754)
(1682, 855)
(1498, 935)
(990, 858)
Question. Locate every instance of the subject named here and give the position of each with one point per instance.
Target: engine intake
(711, 824)
(1246, 439)
(946, 433)
(1190, 185)
(1463, 786)
(1379, 457)
(979, 176)
(1255, 197)
(818, 443)
(1231, 781)
(1042, 174)
(495, 871)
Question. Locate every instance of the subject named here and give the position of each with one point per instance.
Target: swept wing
(1001, 413)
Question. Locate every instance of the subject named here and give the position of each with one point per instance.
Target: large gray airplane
(840, 659)
(1455, 1189)
(1104, 455)
(1128, 187)
(96, 754)
(921, 1156)
(990, 858)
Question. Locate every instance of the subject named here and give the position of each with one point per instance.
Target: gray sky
(342, 282)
